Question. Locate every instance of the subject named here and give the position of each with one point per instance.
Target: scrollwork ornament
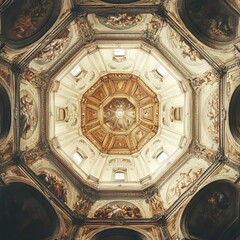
(37, 80)
(200, 81)
(154, 28)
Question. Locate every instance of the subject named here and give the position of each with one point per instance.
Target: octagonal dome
(119, 107)
(119, 114)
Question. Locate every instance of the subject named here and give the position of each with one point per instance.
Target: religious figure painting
(28, 115)
(27, 18)
(213, 19)
(211, 210)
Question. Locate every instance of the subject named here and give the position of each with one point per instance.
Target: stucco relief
(53, 50)
(120, 20)
(155, 204)
(212, 115)
(82, 205)
(185, 49)
(119, 209)
(28, 114)
(33, 155)
(199, 82)
(154, 28)
(84, 30)
(185, 178)
(56, 185)
(36, 79)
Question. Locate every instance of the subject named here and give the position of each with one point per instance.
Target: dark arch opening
(213, 213)
(214, 26)
(25, 214)
(118, 234)
(5, 113)
(234, 114)
(120, 1)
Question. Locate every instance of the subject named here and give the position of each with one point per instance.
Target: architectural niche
(119, 114)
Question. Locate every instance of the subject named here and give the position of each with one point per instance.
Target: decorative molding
(35, 154)
(151, 34)
(38, 80)
(199, 151)
(198, 82)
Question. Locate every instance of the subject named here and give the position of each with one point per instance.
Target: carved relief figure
(118, 210)
(28, 115)
(55, 185)
(35, 79)
(198, 82)
(153, 28)
(82, 206)
(54, 48)
(187, 51)
(213, 111)
(181, 184)
(155, 204)
(121, 20)
(34, 154)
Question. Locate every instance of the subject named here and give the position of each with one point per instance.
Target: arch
(26, 214)
(30, 21)
(118, 234)
(215, 27)
(213, 213)
(5, 114)
(119, 1)
(234, 115)
(137, 231)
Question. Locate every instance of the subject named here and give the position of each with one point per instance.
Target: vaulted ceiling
(115, 105)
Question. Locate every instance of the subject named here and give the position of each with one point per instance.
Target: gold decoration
(119, 114)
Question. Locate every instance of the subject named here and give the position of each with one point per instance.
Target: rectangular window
(119, 52)
(162, 156)
(119, 176)
(76, 70)
(162, 71)
(77, 158)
